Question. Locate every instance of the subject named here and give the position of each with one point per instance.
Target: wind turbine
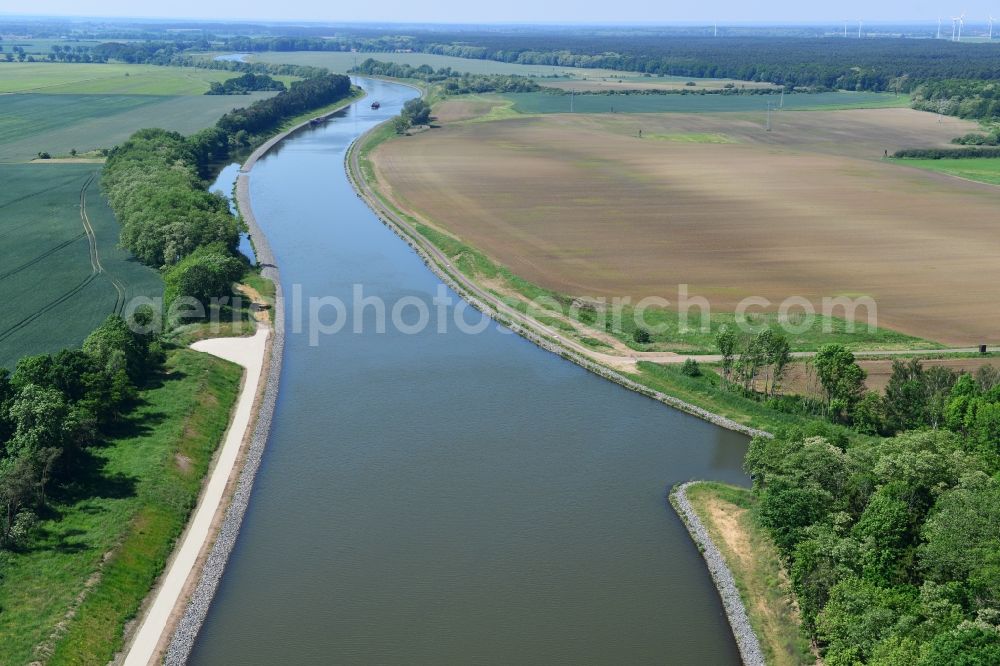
(939, 28)
(961, 24)
(845, 29)
(716, 30)
(859, 28)
(954, 24)
(991, 27)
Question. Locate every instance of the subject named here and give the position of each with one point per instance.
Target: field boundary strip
(95, 257)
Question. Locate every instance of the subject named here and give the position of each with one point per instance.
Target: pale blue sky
(521, 11)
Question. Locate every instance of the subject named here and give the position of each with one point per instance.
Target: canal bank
(185, 629)
(452, 497)
(175, 608)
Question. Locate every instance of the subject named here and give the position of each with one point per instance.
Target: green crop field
(110, 79)
(981, 169)
(58, 107)
(695, 103)
(107, 79)
(59, 123)
(53, 294)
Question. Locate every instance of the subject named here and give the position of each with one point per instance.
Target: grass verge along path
(66, 599)
(726, 512)
(154, 631)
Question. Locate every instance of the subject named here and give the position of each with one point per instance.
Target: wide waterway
(450, 498)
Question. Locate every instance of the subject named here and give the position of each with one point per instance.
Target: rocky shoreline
(739, 621)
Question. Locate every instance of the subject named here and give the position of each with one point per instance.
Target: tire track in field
(96, 270)
(95, 256)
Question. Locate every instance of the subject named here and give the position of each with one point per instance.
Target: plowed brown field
(581, 205)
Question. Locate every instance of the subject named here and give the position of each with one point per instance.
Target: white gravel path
(249, 353)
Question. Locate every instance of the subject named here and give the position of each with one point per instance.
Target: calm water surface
(451, 498)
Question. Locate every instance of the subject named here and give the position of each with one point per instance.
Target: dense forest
(152, 184)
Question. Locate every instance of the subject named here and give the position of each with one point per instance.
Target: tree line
(266, 115)
(948, 153)
(155, 184)
(963, 98)
(245, 84)
(451, 81)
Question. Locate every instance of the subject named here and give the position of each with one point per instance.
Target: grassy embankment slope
(726, 512)
(106, 538)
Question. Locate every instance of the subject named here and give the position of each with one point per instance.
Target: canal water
(450, 498)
